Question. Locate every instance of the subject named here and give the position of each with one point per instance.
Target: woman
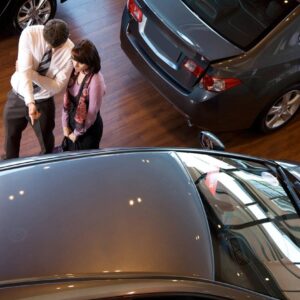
(81, 119)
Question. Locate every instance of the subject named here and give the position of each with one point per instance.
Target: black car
(22, 13)
(225, 65)
(149, 224)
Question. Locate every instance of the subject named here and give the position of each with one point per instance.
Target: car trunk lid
(188, 27)
(171, 34)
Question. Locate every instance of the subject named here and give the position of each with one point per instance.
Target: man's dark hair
(85, 52)
(56, 32)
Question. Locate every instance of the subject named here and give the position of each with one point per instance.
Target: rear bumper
(213, 111)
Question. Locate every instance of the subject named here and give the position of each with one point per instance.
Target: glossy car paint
(82, 224)
(113, 223)
(131, 287)
(267, 70)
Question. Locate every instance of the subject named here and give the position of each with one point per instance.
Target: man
(43, 69)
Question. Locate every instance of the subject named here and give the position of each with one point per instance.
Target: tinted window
(255, 228)
(242, 22)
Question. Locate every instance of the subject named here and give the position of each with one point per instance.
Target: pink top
(97, 89)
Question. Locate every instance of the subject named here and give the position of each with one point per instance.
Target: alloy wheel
(283, 109)
(33, 12)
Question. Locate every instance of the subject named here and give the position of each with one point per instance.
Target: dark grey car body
(265, 62)
(136, 223)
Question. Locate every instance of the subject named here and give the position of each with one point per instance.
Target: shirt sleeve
(65, 116)
(96, 92)
(24, 65)
(56, 84)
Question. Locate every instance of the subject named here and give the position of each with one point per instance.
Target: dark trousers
(16, 119)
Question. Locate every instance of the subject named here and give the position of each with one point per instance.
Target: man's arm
(24, 65)
(56, 84)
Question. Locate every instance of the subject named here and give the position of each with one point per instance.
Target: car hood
(192, 30)
(129, 212)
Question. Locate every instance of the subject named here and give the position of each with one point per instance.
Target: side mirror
(209, 141)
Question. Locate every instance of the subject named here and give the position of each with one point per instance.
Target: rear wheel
(32, 12)
(280, 111)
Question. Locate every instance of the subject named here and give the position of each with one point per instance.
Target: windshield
(243, 22)
(254, 226)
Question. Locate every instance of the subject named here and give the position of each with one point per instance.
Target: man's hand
(73, 137)
(67, 131)
(34, 114)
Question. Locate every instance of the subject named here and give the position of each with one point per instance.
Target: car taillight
(192, 67)
(134, 10)
(208, 82)
(214, 84)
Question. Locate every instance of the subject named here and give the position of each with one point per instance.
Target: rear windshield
(242, 22)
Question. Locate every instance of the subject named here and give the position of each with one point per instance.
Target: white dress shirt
(32, 47)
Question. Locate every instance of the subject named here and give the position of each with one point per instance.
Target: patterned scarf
(83, 94)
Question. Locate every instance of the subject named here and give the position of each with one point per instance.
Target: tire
(32, 12)
(280, 112)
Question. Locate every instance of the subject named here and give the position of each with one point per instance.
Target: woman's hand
(73, 137)
(67, 131)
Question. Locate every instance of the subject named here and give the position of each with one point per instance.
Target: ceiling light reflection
(133, 202)
(147, 161)
(131, 293)
(283, 242)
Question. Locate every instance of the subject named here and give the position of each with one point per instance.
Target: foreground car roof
(129, 212)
